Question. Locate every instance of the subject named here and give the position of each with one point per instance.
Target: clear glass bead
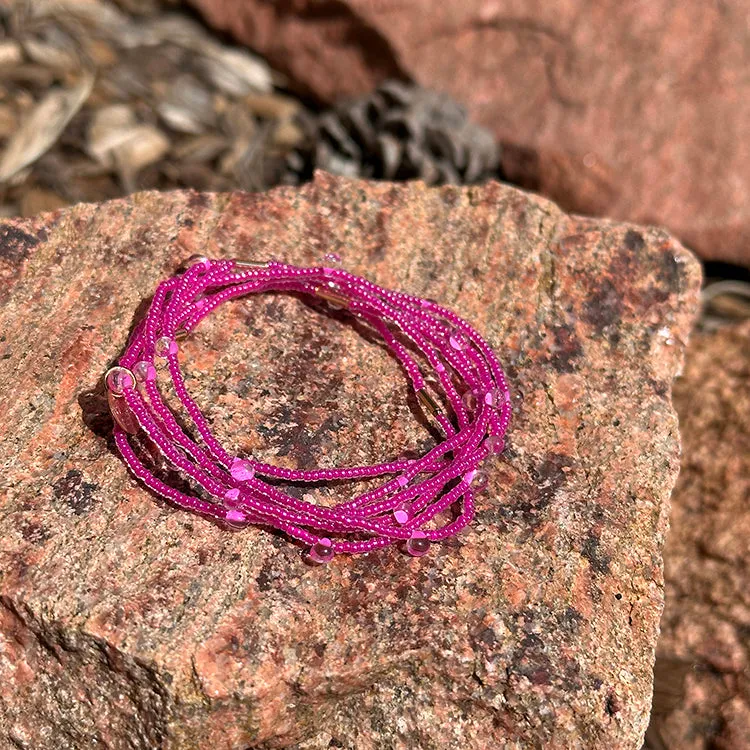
(418, 544)
(118, 379)
(165, 346)
(480, 480)
(144, 371)
(322, 551)
(494, 444)
(194, 260)
(332, 260)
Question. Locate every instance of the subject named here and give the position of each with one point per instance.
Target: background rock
(637, 113)
(129, 624)
(702, 690)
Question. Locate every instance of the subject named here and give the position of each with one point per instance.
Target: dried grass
(99, 99)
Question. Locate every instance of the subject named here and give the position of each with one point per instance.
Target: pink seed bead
(232, 498)
(494, 444)
(242, 470)
(165, 346)
(418, 544)
(321, 551)
(144, 371)
(118, 379)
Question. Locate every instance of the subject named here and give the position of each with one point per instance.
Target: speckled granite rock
(636, 112)
(128, 624)
(702, 699)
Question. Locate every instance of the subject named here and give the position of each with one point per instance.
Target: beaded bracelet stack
(419, 501)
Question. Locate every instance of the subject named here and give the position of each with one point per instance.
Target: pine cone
(399, 132)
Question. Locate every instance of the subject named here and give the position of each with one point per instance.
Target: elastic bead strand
(443, 357)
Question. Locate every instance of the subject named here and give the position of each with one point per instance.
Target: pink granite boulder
(125, 623)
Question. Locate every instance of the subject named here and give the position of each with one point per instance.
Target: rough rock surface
(702, 692)
(128, 624)
(637, 112)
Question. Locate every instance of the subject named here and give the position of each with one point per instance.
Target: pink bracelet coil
(420, 501)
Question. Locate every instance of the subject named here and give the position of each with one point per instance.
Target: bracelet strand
(420, 500)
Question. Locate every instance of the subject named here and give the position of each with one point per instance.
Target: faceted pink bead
(418, 544)
(118, 379)
(232, 498)
(495, 444)
(458, 340)
(401, 515)
(235, 518)
(165, 346)
(242, 470)
(321, 551)
(493, 397)
(122, 413)
(144, 371)
(402, 481)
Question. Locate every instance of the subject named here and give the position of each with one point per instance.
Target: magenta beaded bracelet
(420, 501)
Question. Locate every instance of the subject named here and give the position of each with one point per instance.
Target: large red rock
(635, 111)
(129, 624)
(702, 699)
